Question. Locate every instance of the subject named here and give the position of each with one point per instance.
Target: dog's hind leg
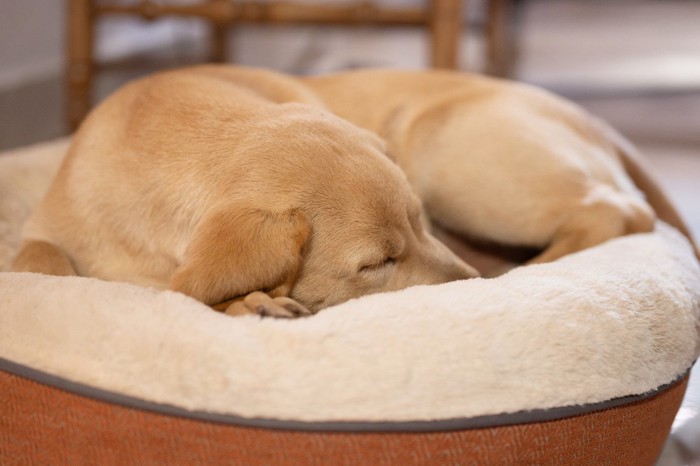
(596, 221)
(42, 257)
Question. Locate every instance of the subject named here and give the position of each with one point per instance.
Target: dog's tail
(641, 174)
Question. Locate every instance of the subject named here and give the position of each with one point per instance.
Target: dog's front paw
(263, 305)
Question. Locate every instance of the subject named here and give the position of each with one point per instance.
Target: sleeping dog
(497, 162)
(235, 187)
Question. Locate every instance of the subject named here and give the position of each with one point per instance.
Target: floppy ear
(236, 251)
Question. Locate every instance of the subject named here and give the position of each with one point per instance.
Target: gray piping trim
(442, 425)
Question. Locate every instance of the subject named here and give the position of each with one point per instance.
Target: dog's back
(218, 182)
(502, 161)
(136, 181)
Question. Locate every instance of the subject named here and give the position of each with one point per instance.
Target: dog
(235, 187)
(501, 163)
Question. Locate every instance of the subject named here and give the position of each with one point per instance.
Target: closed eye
(378, 265)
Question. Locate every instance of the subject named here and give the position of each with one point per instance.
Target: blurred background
(635, 63)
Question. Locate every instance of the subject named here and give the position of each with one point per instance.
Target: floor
(634, 63)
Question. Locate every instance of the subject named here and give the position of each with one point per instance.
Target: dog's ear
(236, 251)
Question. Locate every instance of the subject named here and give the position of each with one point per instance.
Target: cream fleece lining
(616, 320)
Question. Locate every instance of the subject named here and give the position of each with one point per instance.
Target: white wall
(31, 39)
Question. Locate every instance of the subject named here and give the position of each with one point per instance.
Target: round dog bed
(580, 361)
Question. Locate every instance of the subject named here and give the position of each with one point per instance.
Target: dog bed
(579, 361)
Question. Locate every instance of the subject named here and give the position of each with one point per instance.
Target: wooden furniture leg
(218, 30)
(501, 50)
(445, 24)
(218, 51)
(79, 66)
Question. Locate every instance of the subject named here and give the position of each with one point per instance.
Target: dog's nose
(451, 266)
(459, 270)
(467, 271)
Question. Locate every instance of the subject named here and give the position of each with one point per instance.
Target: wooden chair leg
(79, 66)
(446, 18)
(501, 43)
(218, 51)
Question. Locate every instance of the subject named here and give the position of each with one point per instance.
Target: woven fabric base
(40, 424)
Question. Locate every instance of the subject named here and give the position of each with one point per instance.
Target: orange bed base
(42, 424)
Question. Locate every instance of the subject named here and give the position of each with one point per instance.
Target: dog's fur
(501, 162)
(221, 182)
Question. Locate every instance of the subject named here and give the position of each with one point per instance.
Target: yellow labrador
(223, 183)
(501, 162)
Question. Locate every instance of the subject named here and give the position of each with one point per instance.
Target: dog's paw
(263, 305)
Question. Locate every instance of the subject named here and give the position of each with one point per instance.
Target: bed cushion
(559, 363)
(612, 321)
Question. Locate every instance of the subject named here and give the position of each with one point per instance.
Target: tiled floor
(637, 64)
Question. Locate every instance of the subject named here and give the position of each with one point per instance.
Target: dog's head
(332, 219)
(368, 233)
